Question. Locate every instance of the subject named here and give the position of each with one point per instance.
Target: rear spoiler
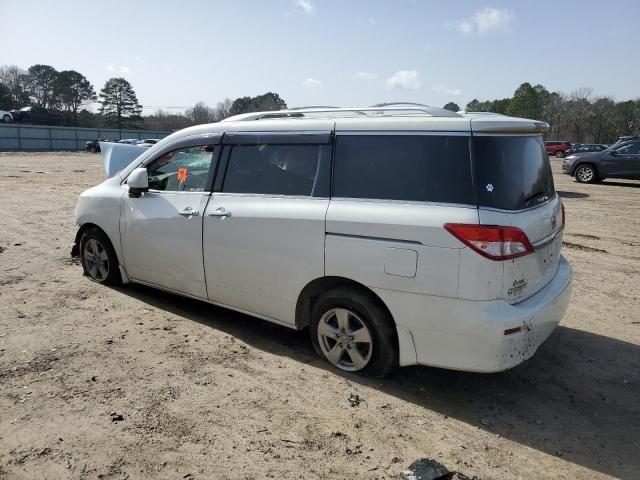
(116, 156)
(504, 124)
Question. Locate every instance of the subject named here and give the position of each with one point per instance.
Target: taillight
(492, 241)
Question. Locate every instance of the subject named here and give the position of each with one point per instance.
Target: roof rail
(482, 113)
(433, 111)
(387, 109)
(312, 106)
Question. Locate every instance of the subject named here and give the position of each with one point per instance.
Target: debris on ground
(354, 400)
(116, 417)
(428, 469)
(355, 450)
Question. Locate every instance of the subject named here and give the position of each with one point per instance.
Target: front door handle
(189, 212)
(219, 212)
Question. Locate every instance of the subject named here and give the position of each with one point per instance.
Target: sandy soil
(208, 393)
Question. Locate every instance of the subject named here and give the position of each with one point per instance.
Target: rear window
(426, 168)
(512, 172)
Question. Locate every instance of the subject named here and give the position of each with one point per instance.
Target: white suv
(398, 235)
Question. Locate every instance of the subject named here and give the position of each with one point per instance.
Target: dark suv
(37, 114)
(557, 148)
(620, 161)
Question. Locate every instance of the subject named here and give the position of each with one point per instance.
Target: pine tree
(119, 104)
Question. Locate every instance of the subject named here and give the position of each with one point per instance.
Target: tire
(344, 310)
(95, 245)
(94, 149)
(6, 118)
(586, 173)
(559, 154)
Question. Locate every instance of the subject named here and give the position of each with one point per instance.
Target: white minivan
(396, 234)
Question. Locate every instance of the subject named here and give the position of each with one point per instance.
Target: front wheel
(586, 174)
(559, 154)
(99, 260)
(353, 332)
(6, 118)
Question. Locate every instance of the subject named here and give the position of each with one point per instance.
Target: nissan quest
(398, 234)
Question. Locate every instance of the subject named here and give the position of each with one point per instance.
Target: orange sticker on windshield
(182, 174)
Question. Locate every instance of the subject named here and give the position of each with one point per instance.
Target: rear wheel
(353, 332)
(99, 260)
(559, 154)
(586, 174)
(6, 118)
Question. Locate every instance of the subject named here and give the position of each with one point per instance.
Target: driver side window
(631, 149)
(182, 170)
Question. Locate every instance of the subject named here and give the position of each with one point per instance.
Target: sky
(331, 52)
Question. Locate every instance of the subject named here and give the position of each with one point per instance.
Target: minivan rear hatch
(514, 187)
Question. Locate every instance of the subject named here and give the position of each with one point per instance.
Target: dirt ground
(206, 393)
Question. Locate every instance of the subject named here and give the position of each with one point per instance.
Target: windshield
(511, 172)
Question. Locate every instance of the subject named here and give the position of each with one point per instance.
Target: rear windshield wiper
(539, 197)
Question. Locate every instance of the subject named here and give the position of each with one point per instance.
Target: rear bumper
(470, 335)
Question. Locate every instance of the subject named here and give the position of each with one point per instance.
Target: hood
(585, 155)
(116, 156)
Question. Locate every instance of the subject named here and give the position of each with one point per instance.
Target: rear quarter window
(425, 168)
(511, 172)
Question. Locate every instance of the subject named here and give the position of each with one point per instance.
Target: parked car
(38, 115)
(557, 148)
(93, 146)
(147, 142)
(587, 147)
(5, 116)
(370, 227)
(619, 161)
(626, 138)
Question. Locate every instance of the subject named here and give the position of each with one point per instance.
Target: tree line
(71, 93)
(578, 117)
(202, 113)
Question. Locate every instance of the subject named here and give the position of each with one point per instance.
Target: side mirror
(138, 182)
(613, 153)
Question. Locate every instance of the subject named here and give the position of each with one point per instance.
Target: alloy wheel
(585, 174)
(96, 260)
(345, 339)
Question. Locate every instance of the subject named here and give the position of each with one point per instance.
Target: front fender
(100, 206)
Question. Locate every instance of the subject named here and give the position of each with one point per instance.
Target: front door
(625, 163)
(264, 227)
(161, 231)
